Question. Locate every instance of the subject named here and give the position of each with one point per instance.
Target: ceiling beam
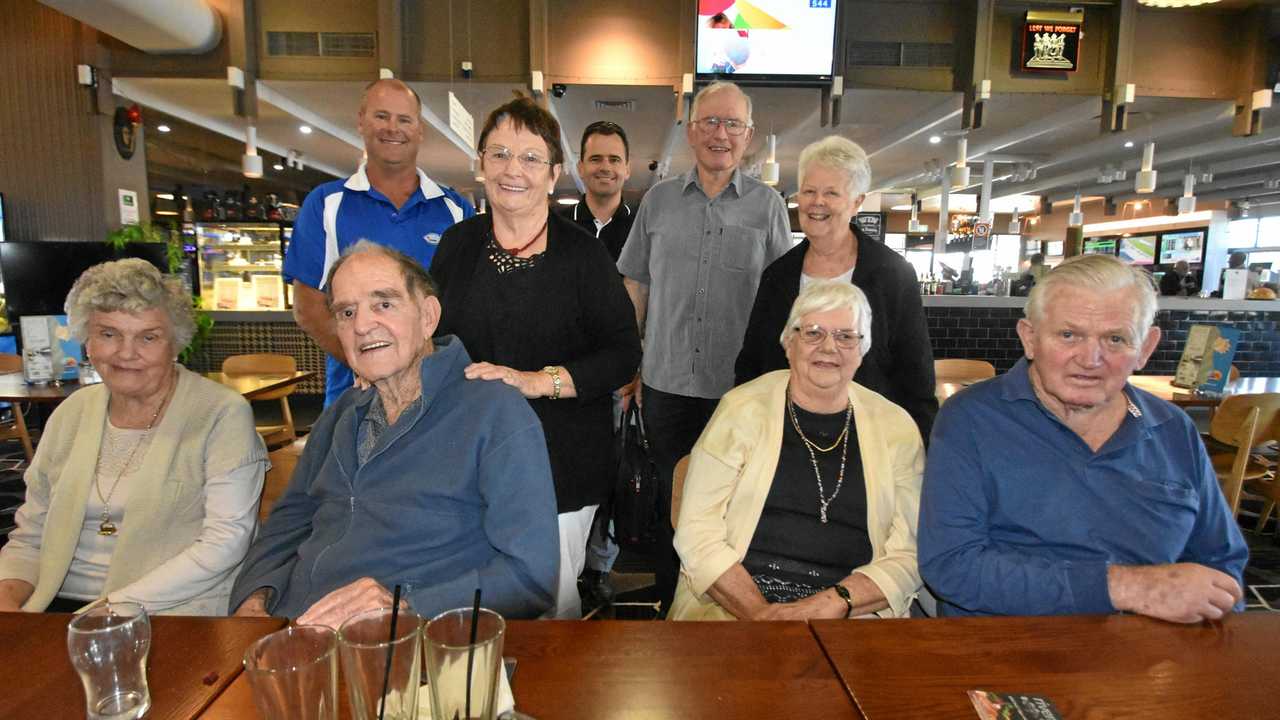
(1171, 179)
(268, 94)
(133, 91)
(939, 114)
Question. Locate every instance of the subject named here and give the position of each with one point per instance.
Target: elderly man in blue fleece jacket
(424, 478)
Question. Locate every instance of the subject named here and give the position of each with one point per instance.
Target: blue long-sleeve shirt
(457, 494)
(1018, 516)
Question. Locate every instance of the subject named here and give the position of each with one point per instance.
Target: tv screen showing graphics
(1138, 249)
(1182, 245)
(766, 39)
(38, 275)
(1100, 246)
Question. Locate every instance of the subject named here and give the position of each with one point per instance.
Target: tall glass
(294, 673)
(108, 645)
(364, 642)
(450, 651)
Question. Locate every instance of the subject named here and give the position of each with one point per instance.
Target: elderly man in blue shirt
(425, 478)
(1059, 488)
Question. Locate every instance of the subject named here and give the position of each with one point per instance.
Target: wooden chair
(283, 461)
(1232, 481)
(952, 369)
(15, 429)
(677, 487)
(275, 436)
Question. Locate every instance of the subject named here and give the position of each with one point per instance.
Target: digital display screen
(38, 275)
(1175, 246)
(1055, 248)
(2, 235)
(1100, 246)
(766, 37)
(1138, 249)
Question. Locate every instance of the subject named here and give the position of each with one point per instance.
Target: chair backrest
(1225, 426)
(677, 487)
(259, 363)
(1233, 483)
(263, 363)
(10, 363)
(964, 369)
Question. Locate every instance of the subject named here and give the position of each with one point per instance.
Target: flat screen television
(3, 236)
(1182, 245)
(1054, 249)
(766, 40)
(1138, 249)
(1100, 246)
(38, 275)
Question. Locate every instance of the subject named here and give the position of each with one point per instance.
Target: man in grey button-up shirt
(692, 264)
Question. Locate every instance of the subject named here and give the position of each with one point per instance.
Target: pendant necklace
(106, 528)
(823, 501)
(515, 252)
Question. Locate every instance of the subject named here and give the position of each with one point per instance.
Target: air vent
(616, 105)
(325, 44)
(895, 54)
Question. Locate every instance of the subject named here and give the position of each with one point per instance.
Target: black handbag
(635, 505)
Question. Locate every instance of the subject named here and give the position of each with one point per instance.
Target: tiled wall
(989, 334)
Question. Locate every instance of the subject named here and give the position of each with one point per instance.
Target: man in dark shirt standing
(605, 165)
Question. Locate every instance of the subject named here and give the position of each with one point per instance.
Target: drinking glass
(449, 650)
(294, 673)
(108, 645)
(364, 642)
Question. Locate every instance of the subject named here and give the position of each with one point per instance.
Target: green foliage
(148, 233)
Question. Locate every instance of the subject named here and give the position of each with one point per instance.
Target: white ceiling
(1058, 133)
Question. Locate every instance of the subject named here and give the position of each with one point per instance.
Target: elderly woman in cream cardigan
(144, 488)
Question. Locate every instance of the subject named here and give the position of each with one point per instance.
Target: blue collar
(427, 188)
(1152, 410)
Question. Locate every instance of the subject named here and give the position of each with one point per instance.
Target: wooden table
(616, 669)
(14, 389)
(192, 661)
(1161, 387)
(1089, 666)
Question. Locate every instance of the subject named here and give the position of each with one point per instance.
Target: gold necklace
(823, 501)
(106, 528)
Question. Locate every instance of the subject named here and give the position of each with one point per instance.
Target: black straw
(471, 648)
(391, 646)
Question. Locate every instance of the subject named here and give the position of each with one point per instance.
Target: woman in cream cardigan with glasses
(144, 488)
(803, 492)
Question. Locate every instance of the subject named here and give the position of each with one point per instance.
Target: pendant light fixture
(1076, 218)
(960, 174)
(1146, 180)
(1187, 203)
(914, 225)
(251, 162)
(1015, 226)
(770, 171)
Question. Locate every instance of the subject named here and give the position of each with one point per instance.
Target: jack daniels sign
(1051, 41)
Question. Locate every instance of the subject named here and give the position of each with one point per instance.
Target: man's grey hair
(838, 153)
(717, 87)
(133, 286)
(416, 279)
(1100, 274)
(827, 295)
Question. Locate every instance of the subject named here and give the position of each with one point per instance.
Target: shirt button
(699, 291)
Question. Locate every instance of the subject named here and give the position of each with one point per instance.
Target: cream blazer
(207, 431)
(731, 470)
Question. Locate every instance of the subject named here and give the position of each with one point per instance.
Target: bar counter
(983, 327)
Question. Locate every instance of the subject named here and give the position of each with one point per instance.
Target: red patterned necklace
(515, 252)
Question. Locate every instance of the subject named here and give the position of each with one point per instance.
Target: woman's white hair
(133, 286)
(827, 295)
(1101, 273)
(838, 153)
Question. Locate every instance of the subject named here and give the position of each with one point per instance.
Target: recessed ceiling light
(163, 128)
(1128, 143)
(935, 139)
(277, 167)
(304, 129)
(568, 201)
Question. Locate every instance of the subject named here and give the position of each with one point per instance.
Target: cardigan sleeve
(702, 533)
(896, 572)
(609, 322)
(911, 373)
(20, 557)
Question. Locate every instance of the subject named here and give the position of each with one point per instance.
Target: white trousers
(575, 527)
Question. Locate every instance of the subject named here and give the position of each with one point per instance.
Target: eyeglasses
(731, 126)
(817, 335)
(530, 160)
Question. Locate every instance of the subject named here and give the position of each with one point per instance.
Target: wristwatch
(554, 372)
(843, 592)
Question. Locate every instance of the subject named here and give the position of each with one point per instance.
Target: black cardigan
(899, 364)
(570, 309)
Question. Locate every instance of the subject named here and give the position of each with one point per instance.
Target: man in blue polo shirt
(389, 201)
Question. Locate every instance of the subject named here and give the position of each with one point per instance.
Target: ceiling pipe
(154, 26)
